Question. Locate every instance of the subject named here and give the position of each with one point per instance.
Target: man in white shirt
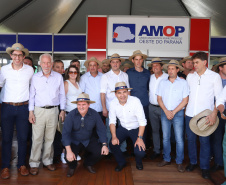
(15, 77)
(130, 112)
(173, 97)
(107, 85)
(154, 108)
(90, 83)
(205, 85)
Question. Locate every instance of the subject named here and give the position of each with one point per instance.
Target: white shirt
(153, 87)
(16, 83)
(203, 89)
(131, 115)
(91, 86)
(221, 98)
(173, 93)
(108, 81)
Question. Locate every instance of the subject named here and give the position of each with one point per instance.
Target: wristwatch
(105, 144)
(141, 137)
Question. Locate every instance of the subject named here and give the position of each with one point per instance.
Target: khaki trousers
(43, 132)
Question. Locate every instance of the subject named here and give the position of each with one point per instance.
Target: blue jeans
(192, 147)
(14, 115)
(178, 126)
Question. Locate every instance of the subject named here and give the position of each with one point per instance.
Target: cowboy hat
(17, 47)
(185, 59)
(83, 97)
(116, 56)
(105, 61)
(198, 124)
(221, 61)
(92, 59)
(174, 63)
(137, 53)
(155, 61)
(121, 85)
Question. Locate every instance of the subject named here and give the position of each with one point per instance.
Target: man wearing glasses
(15, 77)
(78, 134)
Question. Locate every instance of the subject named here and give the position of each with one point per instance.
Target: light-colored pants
(43, 132)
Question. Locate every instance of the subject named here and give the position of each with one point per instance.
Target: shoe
(70, 172)
(62, 158)
(56, 160)
(163, 163)
(90, 169)
(51, 167)
(119, 168)
(5, 173)
(154, 156)
(78, 158)
(191, 167)
(34, 171)
(180, 168)
(206, 174)
(23, 171)
(139, 166)
(216, 167)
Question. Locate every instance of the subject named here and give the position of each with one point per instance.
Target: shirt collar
(114, 73)
(78, 113)
(24, 66)
(89, 74)
(41, 73)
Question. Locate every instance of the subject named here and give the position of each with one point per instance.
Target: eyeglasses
(72, 72)
(15, 55)
(82, 122)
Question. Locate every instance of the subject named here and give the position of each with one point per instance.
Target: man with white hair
(46, 94)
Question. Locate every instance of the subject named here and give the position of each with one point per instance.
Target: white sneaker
(78, 158)
(62, 159)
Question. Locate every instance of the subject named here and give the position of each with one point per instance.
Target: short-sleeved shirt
(173, 93)
(139, 81)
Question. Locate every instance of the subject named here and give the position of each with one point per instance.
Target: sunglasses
(82, 122)
(72, 72)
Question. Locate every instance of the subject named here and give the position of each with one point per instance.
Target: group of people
(100, 111)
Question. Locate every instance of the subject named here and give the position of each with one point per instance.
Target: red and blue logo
(124, 33)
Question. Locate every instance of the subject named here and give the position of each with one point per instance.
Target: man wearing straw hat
(173, 97)
(77, 135)
(129, 110)
(15, 77)
(105, 66)
(154, 108)
(205, 85)
(108, 82)
(187, 64)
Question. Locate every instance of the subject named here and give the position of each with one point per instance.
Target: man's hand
(70, 156)
(115, 141)
(221, 108)
(105, 112)
(62, 115)
(211, 119)
(31, 117)
(104, 150)
(140, 144)
(169, 114)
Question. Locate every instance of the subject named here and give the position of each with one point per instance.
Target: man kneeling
(79, 132)
(129, 111)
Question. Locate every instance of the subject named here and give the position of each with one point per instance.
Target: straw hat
(121, 85)
(116, 56)
(83, 97)
(221, 61)
(105, 61)
(198, 124)
(155, 61)
(175, 63)
(185, 59)
(92, 59)
(17, 47)
(137, 53)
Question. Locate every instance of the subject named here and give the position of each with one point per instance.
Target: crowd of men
(114, 106)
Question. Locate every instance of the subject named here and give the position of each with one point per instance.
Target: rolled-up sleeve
(112, 113)
(140, 113)
(221, 98)
(217, 86)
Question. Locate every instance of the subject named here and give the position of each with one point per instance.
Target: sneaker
(62, 158)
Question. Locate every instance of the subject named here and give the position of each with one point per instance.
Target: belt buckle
(15, 104)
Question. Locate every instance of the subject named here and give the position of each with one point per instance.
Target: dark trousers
(18, 115)
(92, 156)
(122, 134)
(57, 145)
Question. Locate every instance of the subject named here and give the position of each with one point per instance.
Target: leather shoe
(119, 168)
(23, 171)
(206, 174)
(34, 171)
(163, 163)
(5, 173)
(216, 167)
(139, 166)
(191, 167)
(90, 169)
(51, 167)
(154, 156)
(180, 168)
(70, 172)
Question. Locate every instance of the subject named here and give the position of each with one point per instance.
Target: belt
(17, 103)
(155, 105)
(49, 107)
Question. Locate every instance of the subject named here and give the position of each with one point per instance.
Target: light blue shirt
(91, 86)
(173, 93)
